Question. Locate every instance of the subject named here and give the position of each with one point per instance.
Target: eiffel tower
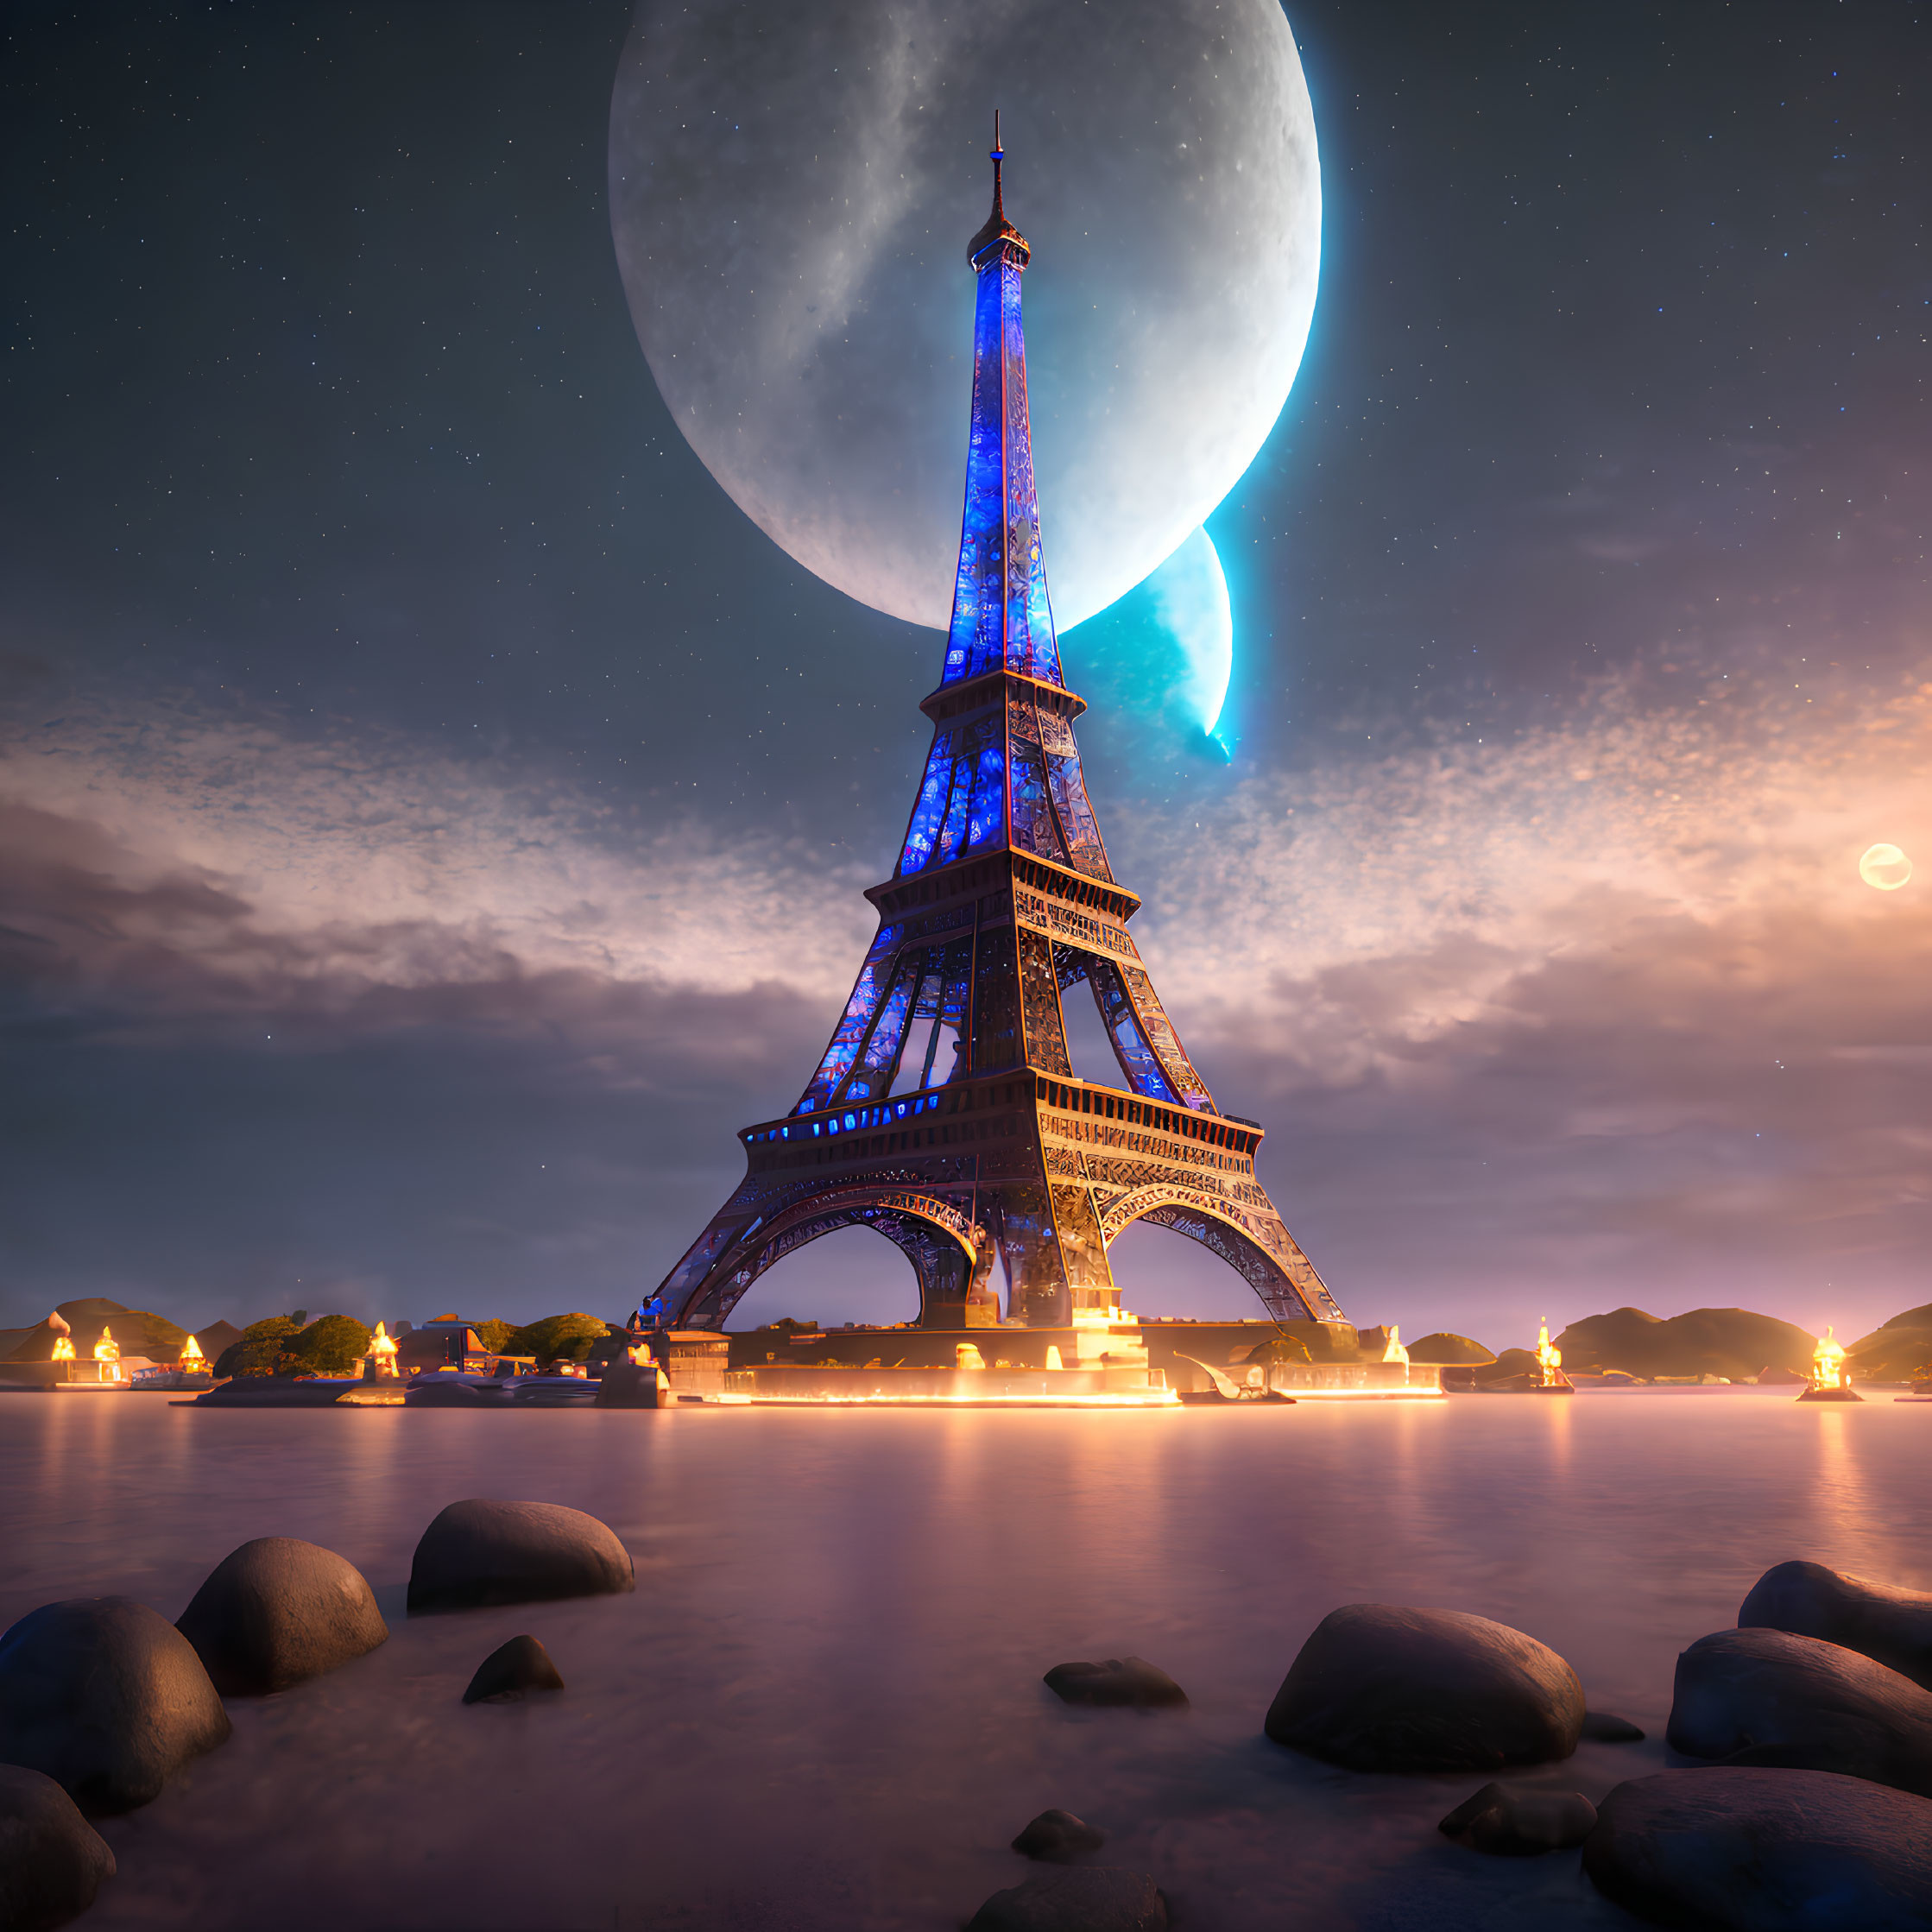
(946, 1113)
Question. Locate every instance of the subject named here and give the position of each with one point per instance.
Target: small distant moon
(1885, 868)
(1189, 596)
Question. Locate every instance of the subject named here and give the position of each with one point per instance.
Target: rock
(1764, 1851)
(1120, 1681)
(1803, 1704)
(51, 1860)
(1378, 1688)
(1893, 1626)
(1520, 1824)
(481, 1552)
(510, 1669)
(445, 1392)
(275, 1392)
(1602, 1728)
(1071, 1898)
(106, 1697)
(1058, 1834)
(278, 1611)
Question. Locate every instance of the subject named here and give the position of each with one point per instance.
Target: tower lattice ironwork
(945, 1113)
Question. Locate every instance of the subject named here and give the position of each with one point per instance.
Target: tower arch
(949, 1254)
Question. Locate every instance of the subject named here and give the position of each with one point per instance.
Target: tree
(259, 1351)
(333, 1345)
(557, 1336)
(496, 1336)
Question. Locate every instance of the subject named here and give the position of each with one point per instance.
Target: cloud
(1604, 1008)
(269, 866)
(1597, 1012)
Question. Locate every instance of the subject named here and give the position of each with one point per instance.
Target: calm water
(822, 1706)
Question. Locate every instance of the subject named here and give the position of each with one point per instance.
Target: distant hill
(1456, 1349)
(1732, 1342)
(137, 1332)
(216, 1337)
(1895, 1351)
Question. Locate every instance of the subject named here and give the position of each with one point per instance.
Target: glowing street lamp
(379, 1364)
(1829, 1382)
(1550, 1360)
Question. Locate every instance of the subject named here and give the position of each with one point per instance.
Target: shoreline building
(946, 1113)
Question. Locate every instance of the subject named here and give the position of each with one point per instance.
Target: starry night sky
(432, 819)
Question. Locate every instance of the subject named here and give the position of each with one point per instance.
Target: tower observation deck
(946, 1113)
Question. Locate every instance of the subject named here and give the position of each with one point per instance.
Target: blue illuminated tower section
(945, 1113)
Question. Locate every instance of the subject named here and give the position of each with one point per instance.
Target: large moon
(791, 191)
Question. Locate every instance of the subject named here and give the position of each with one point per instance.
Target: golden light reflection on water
(842, 1618)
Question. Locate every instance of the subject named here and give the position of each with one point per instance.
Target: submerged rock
(277, 1611)
(1076, 1899)
(1380, 1688)
(1600, 1727)
(445, 1392)
(481, 1552)
(513, 1667)
(1058, 1834)
(1764, 1851)
(1766, 1697)
(1893, 1626)
(1520, 1824)
(276, 1392)
(1120, 1681)
(51, 1860)
(106, 1697)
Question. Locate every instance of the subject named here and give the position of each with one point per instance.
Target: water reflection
(822, 1705)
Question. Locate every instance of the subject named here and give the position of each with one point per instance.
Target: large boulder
(1605, 1727)
(106, 1697)
(1056, 1836)
(510, 1669)
(480, 1552)
(1071, 1898)
(1891, 1625)
(1520, 1824)
(1724, 1850)
(1120, 1681)
(1379, 1687)
(1766, 1697)
(51, 1860)
(277, 1611)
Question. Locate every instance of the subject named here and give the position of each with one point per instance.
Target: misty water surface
(822, 1707)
